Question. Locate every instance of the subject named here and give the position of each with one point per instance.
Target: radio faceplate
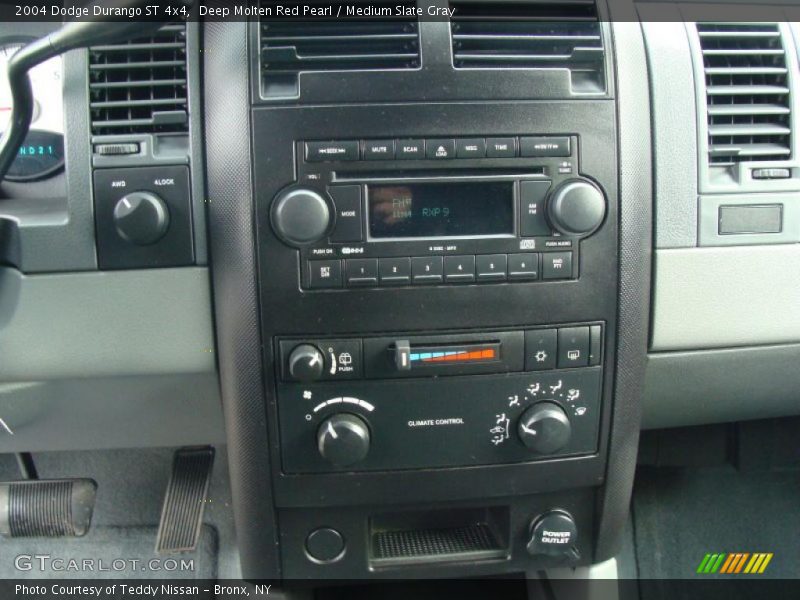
(372, 220)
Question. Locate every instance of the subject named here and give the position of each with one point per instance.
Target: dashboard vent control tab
(747, 92)
(292, 46)
(140, 86)
(531, 35)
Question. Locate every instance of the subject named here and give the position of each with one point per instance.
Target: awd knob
(544, 428)
(306, 363)
(300, 216)
(577, 207)
(141, 218)
(343, 439)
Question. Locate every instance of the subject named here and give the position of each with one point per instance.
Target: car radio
(477, 209)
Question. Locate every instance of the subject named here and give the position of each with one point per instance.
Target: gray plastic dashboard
(725, 329)
(101, 359)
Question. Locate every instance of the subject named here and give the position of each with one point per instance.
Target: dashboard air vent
(531, 34)
(140, 86)
(747, 92)
(290, 47)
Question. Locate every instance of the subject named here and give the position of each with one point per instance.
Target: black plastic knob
(141, 218)
(306, 363)
(544, 428)
(553, 533)
(343, 439)
(577, 207)
(300, 216)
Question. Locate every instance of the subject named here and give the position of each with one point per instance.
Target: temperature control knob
(141, 218)
(544, 428)
(306, 363)
(343, 439)
(577, 207)
(300, 216)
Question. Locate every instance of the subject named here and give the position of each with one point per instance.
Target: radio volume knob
(577, 207)
(343, 439)
(300, 216)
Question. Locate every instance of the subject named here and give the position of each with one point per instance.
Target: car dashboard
(426, 279)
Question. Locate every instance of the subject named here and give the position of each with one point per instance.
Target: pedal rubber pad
(185, 500)
(46, 508)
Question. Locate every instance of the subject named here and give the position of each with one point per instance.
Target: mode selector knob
(141, 218)
(343, 439)
(577, 207)
(300, 216)
(544, 428)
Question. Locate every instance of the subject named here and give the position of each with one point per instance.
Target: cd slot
(434, 174)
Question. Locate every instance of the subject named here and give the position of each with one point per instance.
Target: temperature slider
(409, 356)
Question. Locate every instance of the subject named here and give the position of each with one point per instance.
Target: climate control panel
(414, 402)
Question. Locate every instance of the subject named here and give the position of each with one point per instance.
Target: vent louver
(140, 86)
(290, 47)
(747, 92)
(531, 34)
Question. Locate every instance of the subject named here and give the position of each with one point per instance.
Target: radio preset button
(523, 266)
(347, 199)
(324, 274)
(540, 349)
(361, 272)
(459, 269)
(545, 146)
(410, 149)
(379, 150)
(440, 148)
(532, 195)
(573, 347)
(427, 269)
(394, 271)
(505, 147)
(557, 265)
(471, 148)
(331, 151)
(491, 267)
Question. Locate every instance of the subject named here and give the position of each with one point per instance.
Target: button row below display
(438, 148)
(432, 270)
(563, 348)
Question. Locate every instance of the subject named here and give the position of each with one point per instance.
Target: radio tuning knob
(577, 207)
(544, 428)
(306, 363)
(300, 216)
(343, 439)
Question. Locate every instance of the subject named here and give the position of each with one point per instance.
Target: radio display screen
(432, 210)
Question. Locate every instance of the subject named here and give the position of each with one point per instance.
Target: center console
(425, 338)
(439, 310)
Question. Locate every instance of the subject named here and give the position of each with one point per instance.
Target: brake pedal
(185, 500)
(46, 508)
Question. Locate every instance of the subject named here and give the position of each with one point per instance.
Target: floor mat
(680, 515)
(106, 552)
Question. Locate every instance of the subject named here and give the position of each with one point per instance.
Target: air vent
(747, 92)
(531, 35)
(140, 86)
(290, 47)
